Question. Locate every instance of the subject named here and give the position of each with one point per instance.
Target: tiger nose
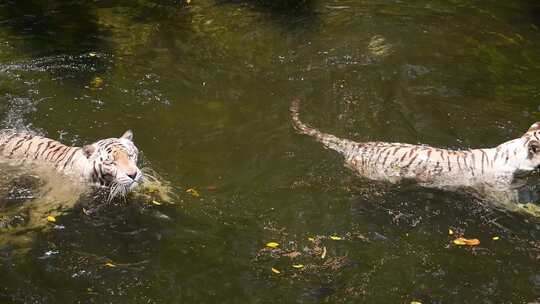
(132, 175)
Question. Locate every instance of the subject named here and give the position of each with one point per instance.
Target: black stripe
(386, 157)
(17, 145)
(473, 165)
(53, 152)
(483, 156)
(411, 161)
(37, 151)
(70, 157)
(403, 157)
(47, 147)
(63, 154)
(28, 148)
(60, 154)
(8, 140)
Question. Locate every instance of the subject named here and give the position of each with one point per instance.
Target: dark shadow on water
(63, 39)
(535, 15)
(288, 13)
(95, 256)
(280, 6)
(55, 27)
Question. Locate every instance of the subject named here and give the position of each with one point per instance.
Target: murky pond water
(206, 87)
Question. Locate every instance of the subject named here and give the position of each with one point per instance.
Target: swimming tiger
(430, 166)
(110, 162)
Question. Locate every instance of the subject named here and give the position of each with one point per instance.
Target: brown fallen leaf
(292, 254)
(211, 187)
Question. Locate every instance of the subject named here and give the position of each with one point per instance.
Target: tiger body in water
(429, 166)
(108, 162)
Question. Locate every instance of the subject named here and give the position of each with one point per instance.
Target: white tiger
(433, 167)
(110, 162)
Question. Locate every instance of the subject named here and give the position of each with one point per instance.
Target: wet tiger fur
(429, 166)
(110, 162)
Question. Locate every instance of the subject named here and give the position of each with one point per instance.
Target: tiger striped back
(29, 147)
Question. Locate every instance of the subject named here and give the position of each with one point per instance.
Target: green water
(206, 88)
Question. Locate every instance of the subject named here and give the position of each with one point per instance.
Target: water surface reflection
(206, 88)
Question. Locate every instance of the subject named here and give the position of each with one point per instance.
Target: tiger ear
(128, 135)
(88, 150)
(535, 127)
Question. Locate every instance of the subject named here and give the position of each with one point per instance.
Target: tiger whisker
(112, 192)
(115, 189)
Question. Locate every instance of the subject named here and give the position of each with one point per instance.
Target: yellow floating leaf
(275, 271)
(272, 245)
(450, 231)
(109, 264)
(97, 82)
(51, 219)
(416, 302)
(298, 266)
(495, 238)
(311, 239)
(472, 242)
(336, 238)
(92, 54)
(156, 203)
(193, 192)
(468, 242)
(459, 242)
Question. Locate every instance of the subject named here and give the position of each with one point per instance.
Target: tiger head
(113, 163)
(531, 154)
